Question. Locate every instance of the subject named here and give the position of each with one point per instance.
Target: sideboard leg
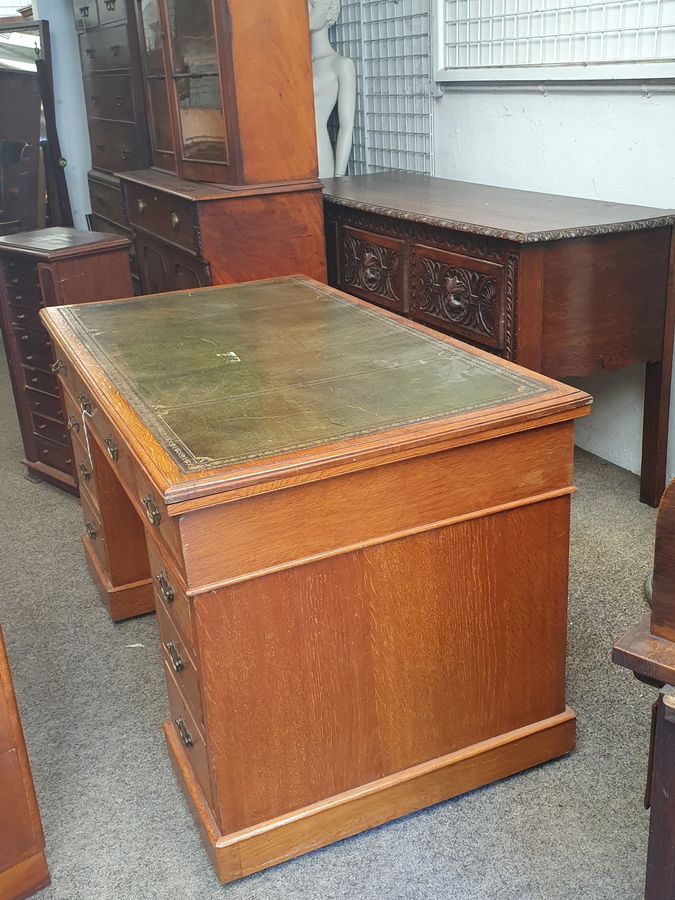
(660, 883)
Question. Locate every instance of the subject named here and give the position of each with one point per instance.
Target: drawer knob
(165, 588)
(91, 531)
(175, 657)
(85, 474)
(73, 424)
(184, 734)
(141, 205)
(19, 298)
(85, 405)
(175, 221)
(111, 447)
(25, 337)
(152, 514)
(58, 366)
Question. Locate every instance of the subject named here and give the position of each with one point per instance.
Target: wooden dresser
(357, 534)
(560, 285)
(50, 267)
(116, 111)
(23, 867)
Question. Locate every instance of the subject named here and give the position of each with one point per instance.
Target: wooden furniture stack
(560, 285)
(116, 112)
(233, 193)
(23, 867)
(648, 650)
(357, 534)
(51, 267)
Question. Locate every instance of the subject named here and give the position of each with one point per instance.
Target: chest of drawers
(23, 867)
(47, 268)
(356, 539)
(560, 285)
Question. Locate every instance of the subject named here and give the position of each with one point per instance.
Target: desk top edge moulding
(491, 211)
(383, 541)
(330, 412)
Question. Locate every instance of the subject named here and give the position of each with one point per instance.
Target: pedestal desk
(560, 285)
(357, 539)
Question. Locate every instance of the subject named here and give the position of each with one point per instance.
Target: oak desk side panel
(361, 677)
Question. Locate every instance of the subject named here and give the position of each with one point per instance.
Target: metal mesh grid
(389, 41)
(484, 33)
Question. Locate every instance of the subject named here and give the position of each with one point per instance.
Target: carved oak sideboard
(560, 285)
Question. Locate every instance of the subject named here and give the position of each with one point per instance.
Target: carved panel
(461, 295)
(372, 266)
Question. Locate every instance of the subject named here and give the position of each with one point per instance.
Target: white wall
(71, 119)
(605, 142)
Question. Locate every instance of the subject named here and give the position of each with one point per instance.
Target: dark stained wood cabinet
(560, 285)
(116, 110)
(23, 866)
(51, 267)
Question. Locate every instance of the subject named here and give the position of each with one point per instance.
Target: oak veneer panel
(334, 515)
(16, 822)
(613, 331)
(387, 657)
(663, 591)
(264, 236)
(25, 878)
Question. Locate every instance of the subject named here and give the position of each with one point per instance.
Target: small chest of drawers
(51, 267)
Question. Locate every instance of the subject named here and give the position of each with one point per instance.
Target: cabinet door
(189, 272)
(373, 267)
(157, 85)
(154, 265)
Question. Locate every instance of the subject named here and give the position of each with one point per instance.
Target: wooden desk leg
(660, 883)
(657, 405)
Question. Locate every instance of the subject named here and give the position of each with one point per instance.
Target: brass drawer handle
(184, 734)
(73, 424)
(18, 298)
(141, 205)
(85, 405)
(20, 316)
(94, 99)
(58, 366)
(91, 531)
(176, 659)
(110, 5)
(15, 280)
(90, 52)
(152, 514)
(165, 588)
(175, 221)
(125, 152)
(85, 474)
(115, 49)
(111, 447)
(25, 337)
(119, 99)
(84, 12)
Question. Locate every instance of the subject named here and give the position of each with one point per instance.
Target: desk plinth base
(122, 602)
(37, 471)
(268, 843)
(25, 878)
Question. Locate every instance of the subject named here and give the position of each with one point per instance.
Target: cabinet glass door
(196, 73)
(157, 87)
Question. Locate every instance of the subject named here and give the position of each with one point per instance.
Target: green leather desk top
(228, 374)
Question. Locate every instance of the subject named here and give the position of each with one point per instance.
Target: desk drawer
(110, 11)
(93, 529)
(171, 593)
(55, 455)
(51, 429)
(105, 49)
(106, 201)
(189, 733)
(373, 267)
(35, 348)
(41, 381)
(179, 659)
(110, 97)
(164, 215)
(20, 271)
(157, 519)
(45, 404)
(26, 316)
(459, 295)
(86, 14)
(115, 146)
(25, 293)
(114, 449)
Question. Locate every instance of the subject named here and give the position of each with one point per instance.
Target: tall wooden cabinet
(226, 87)
(116, 111)
(23, 867)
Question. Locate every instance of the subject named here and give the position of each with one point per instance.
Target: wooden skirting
(25, 878)
(126, 601)
(286, 837)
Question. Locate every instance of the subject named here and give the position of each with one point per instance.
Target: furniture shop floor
(92, 699)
